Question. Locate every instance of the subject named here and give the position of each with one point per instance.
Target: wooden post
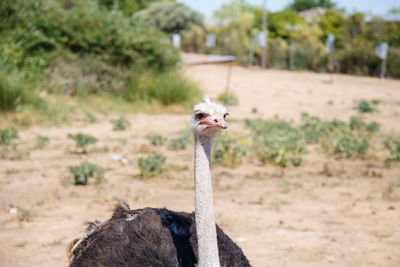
(331, 68)
(228, 77)
(383, 68)
(291, 54)
(264, 29)
(251, 53)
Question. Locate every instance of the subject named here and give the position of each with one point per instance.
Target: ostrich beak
(220, 122)
(223, 124)
(217, 122)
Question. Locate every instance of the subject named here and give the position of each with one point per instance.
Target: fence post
(264, 30)
(228, 77)
(251, 53)
(381, 52)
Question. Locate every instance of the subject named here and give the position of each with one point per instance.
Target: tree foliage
(128, 7)
(38, 27)
(301, 5)
(169, 17)
(234, 24)
(296, 42)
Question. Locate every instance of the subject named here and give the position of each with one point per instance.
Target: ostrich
(160, 237)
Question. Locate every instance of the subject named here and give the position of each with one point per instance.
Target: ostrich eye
(200, 116)
(226, 115)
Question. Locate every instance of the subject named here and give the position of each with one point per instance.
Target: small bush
(8, 141)
(90, 117)
(40, 27)
(314, 128)
(151, 165)
(357, 123)
(351, 144)
(277, 142)
(82, 141)
(121, 124)
(42, 142)
(185, 137)
(156, 140)
(365, 106)
(393, 145)
(229, 152)
(228, 99)
(81, 173)
(8, 136)
(17, 91)
(168, 87)
(358, 59)
(25, 215)
(372, 127)
(178, 143)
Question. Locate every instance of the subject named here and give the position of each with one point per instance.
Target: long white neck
(205, 220)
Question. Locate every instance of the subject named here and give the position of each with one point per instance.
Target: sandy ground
(296, 217)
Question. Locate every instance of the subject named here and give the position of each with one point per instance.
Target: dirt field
(296, 217)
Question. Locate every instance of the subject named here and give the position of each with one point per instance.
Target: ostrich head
(208, 118)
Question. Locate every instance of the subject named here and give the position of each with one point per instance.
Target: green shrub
(17, 90)
(84, 28)
(166, 87)
(372, 127)
(82, 141)
(25, 215)
(8, 136)
(393, 145)
(357, 123)
(169, 17)
(228, 99)
(309, 57)
(121, 124)
(229, 152)
(8, 141)
(351, 144)
(351, 140)
(365, 106)
(314, 128)
(178, 143)
(156, 140)
(393, 62)
(90, 117)
(42, 142)
(185, 137)
(277, 142)
(359, 59)
(81, 173)
(152, 165)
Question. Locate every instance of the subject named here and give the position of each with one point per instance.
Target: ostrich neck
(205, 220)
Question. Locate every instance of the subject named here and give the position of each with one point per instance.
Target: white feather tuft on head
(206, 99)
(209, 107)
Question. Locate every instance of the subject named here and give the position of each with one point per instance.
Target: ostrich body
(160, 237)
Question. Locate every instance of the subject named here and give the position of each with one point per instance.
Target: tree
(300, 5)
(128, 7)
(334, 22)
(279, 23)
(394, 10)
(233, 26)
(169, 17)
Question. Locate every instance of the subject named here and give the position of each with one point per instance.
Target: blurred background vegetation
(52, 51)
(299, 32)
(84, 49)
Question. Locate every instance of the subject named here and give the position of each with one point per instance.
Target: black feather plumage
(149, 237)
